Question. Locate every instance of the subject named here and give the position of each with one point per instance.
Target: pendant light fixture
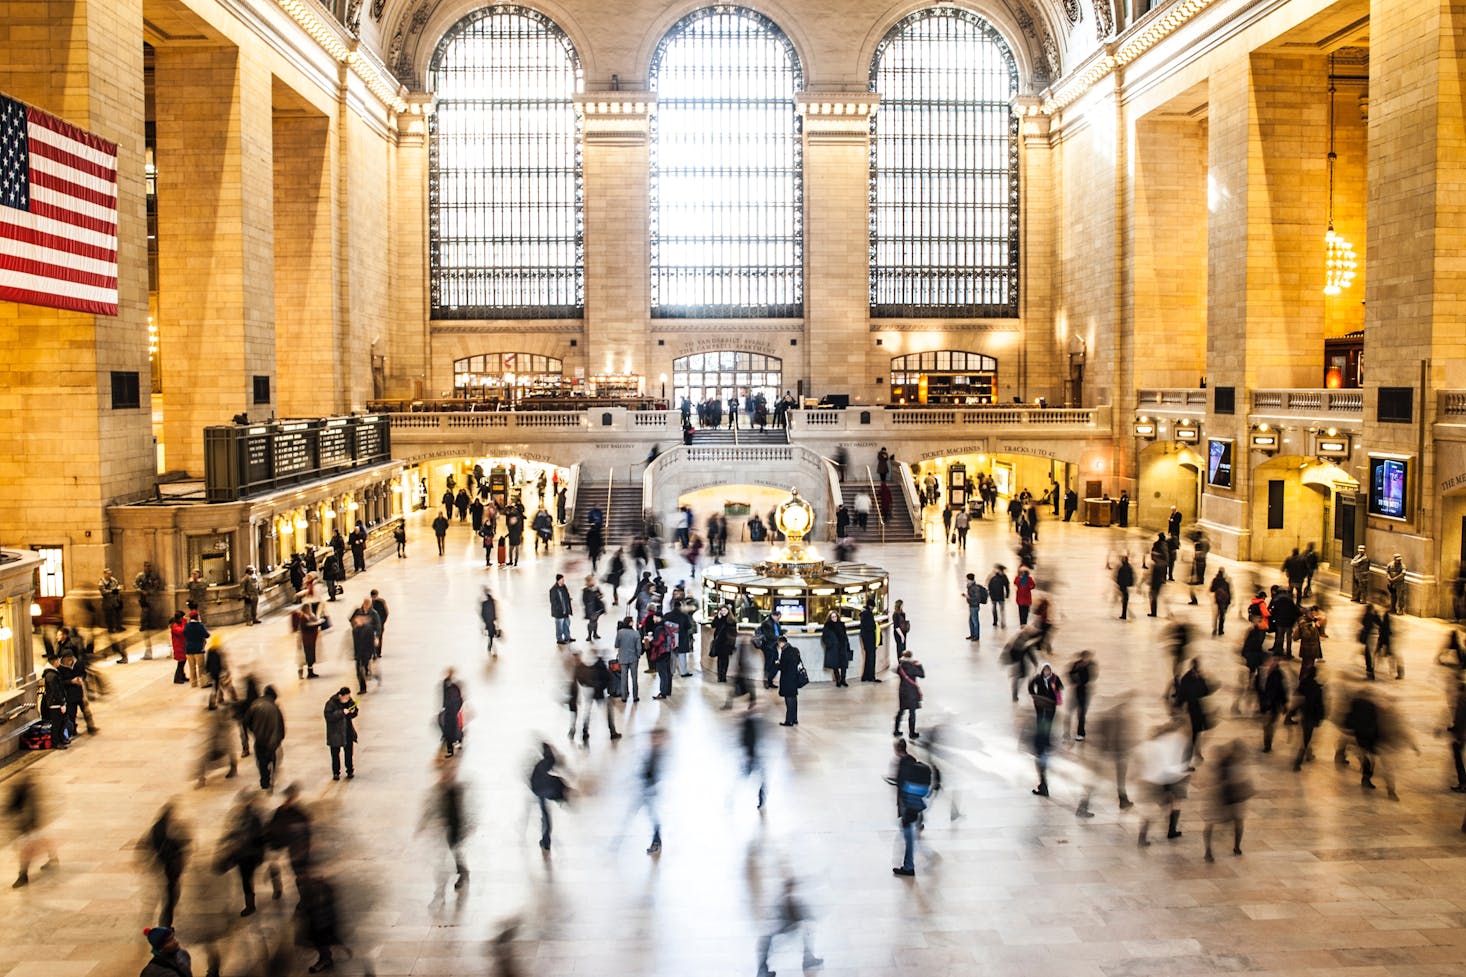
(1339, 257)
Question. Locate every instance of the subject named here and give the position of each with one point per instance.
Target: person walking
(724, 640)
(1081, 677)
(1158, 569)
(448, 810)
(547, 786)
(976, 595)
(1162, 765)
(1310, 707)
(249, 593)
(308, 621)
(1046, 690)
(913, 782)
(1272, 698)
(560, 609)
(869, 641)
(652, 770)
(267, 729)
(30, 821)
(168, 841)
(1023, 587)
(1191, 689)
(998, 590)
(340, 713)
(366, 630)
(835, 641)
(450, 714)
(593, 603)
(243, 847)
(1230, 790)
(792, 678)
(909, 672)
(1221, 592)
(789, 916)
(1124, 580)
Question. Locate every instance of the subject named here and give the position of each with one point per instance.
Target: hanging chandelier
(1339, 260)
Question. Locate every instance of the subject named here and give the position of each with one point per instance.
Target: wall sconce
(1187, 431)
(1145, 428)
(287, 528)
(352, 506)
(35, 609)
(5, 633)
(329, 513)
(1265, 438)
(301, 522)
(1331, 444)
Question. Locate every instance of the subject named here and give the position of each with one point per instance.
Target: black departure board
(242, 461)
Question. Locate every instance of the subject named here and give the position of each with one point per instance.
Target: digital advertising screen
(1389, 480)
(1219, 463)
(791, 610)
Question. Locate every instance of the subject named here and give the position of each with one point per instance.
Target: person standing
(440, 530)
(883, 463)
(792, 678)
(111, 590)
(358, 544)
(488, 611)
(1395, 584)
(195, 636)
(835, 641)
(333, 571)
(869, 642)
(340, 713)
(180, 655)
(1221, 592)
(685, 630)
(267, 728)
(380, 608)
(1282, 614)
(1124, 580)
(900, 626)
(198, 591)
(1023, 587)
(1045, 689)
(1359, 573)
(560, 609)
(976, 595)
(628, 654)
(724, 640)
(514, 532)
(594, 605)
(149, 588)
(909, 672)
(249, 592)
(308, 622)
(365, 637)
(399, 537)
(998, 590)
(73, 672)
(661, 644)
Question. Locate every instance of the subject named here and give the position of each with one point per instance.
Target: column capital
(837, 116)
(412, 121)
(615, 117)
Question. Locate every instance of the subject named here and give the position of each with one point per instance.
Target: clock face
(795, 518)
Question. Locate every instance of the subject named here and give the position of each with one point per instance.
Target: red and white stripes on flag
(58, 213)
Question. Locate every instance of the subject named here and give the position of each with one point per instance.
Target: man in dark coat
(366, 631)
(1282, 614)
(767, 641)
(440, 530)
(868, 630)
(334, 572)
(560, 609)
(450, 717)
(267, 728)
(791, 667)
(1191, 688)
(358, 544)
(340, 713)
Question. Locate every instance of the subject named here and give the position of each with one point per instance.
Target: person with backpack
(908, 694)
(913, 780)
(660, 639)
(976, 595)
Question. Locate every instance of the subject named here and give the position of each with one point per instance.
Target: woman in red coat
(175, 631)
(1023, 585)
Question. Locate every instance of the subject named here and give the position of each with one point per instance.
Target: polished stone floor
(1335, 880)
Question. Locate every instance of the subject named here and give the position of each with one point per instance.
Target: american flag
(58, 213)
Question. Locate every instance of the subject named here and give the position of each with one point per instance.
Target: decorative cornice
(334, 39)
(527, 327)
(615, 117)
(1155, 27)
(837, 115)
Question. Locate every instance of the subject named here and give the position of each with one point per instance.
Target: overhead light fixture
(1339, 257)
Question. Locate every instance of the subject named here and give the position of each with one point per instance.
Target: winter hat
(344, 690)
(158, 936)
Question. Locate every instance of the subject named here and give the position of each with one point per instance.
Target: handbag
(325, 622)
(803, 677)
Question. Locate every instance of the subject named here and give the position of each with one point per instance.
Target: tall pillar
(407, 349)
(1044, 361)
(840, 355)
(615, 146)
(66, 451)
(1267, 145)
(1414, 340)
(216, 299)
(305, 269)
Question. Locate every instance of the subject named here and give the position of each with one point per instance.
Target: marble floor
(1335, 880)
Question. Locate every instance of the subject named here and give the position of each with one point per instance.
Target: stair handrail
(610, 477)
(909, 496)
(572, 494)
(875, 502)
(837, 495)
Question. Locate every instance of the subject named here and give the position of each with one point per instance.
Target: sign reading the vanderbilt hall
(242, 461)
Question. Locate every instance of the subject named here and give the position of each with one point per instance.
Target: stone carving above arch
(1072, 11)
(1046, 62)
(405, 39)
(1104, 19)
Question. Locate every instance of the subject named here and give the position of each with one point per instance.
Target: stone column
(840, 356)
(305, 269)
(1267, 146)
(1043, 361)
(407, 345)
(614, 165)
(67, 451)
(216, 299)
(1417, 234)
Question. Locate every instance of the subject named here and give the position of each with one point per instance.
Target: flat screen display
(1219, 463)
(1388, 483)
(791, 610)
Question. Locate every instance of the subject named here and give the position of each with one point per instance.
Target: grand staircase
(622, 511)
(899, 527)
(710, 437)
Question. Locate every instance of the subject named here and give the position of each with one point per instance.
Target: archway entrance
(1169, 474)
(1294, 502)
(727, 373)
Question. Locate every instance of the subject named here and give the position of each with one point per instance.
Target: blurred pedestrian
(219, 734)
(1230, 790)
(652, 771)
(1081, 675)
(913, 782)
(1191, 690)
(30, 820)
(167, 843)
(448, 811)
(1046, 690)
(908, 694)
(1162, 766)
(267, 727)
(547, 786)
(788, 915)
(450, 714)
(243, 846)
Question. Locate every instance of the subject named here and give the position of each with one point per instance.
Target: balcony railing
(905, 418)
(1453, 406)
(1172, 398)
(1346, 404)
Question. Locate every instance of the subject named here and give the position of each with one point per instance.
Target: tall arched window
(944, 170)
(726, 223)
(504, 192)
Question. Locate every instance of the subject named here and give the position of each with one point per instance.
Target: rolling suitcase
(503, 550)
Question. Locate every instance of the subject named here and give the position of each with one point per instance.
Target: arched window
(944, 376)
(726, 222)
(727, 373)
(493, 375)
(944, 170)
(504, 191)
